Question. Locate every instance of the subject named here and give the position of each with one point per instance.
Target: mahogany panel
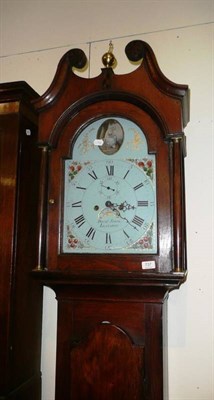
(107, 366)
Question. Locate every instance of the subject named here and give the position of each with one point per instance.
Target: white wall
(34, 36)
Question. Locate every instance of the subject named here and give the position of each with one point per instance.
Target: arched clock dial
(109, 206)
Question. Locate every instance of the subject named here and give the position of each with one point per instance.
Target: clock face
(109, 201)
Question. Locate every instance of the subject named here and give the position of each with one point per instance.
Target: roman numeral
(91, 233)
(126, 174)
(143, 203)
(138, 221)
(138, 186)
(80, 220)
(77, 204)
(80, 187)
(108, 238)
(110, 169)
(126, 234)
(93, 175)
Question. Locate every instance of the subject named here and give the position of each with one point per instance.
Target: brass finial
(108, 58)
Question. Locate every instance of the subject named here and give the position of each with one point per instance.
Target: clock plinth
(111, 231)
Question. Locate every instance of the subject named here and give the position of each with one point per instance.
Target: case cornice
(146, 82)
(74, 58)
(137, 50)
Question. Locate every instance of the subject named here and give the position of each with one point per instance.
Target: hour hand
(122, 206)
(126, 206)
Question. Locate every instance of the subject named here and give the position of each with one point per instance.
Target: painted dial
(109, 206)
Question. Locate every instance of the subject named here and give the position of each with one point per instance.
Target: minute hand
(113, 208)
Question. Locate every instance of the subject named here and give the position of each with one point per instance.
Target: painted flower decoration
(73, 170)
(147, 166)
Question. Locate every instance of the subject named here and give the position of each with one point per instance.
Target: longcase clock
(111, 229)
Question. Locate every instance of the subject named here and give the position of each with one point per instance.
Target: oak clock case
(111, 227)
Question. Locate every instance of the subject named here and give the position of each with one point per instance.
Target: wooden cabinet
(20, 295)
